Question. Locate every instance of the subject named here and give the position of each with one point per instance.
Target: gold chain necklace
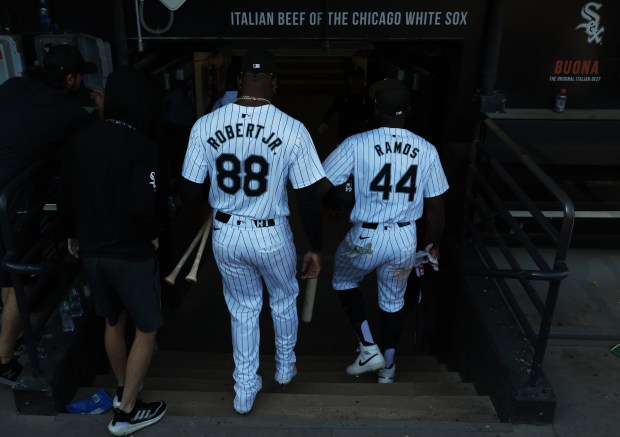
(256, 99)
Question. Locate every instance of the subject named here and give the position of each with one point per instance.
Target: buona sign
(582, 70)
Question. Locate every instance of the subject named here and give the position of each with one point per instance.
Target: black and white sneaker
(143, 415)
(9, 372)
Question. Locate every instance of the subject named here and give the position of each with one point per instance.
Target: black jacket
(110, 182)
(36, 121)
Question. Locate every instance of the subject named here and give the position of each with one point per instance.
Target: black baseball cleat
(142, 415)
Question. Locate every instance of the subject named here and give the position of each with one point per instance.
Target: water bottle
(45, 20)
(75, 302)
(65, 317)
(560, 101)
(86, 288)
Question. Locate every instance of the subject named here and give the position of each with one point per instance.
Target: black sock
(353, 303)
(391, 329)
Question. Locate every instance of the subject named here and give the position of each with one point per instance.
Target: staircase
(201, 384)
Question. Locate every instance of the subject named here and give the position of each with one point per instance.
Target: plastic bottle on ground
(65, 317)
(75, 301)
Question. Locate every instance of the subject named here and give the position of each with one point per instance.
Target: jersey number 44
(382, 182)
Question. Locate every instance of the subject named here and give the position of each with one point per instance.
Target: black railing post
(543, 334)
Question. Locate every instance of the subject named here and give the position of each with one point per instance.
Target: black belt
(224, 218)
(376, 225)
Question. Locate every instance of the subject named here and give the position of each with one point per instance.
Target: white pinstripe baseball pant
(244, 253)
(390, 249)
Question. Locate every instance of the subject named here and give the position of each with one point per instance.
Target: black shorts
(119, 284)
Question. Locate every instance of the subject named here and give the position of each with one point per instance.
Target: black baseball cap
(390, 97)
(67, 59)
(258, 61)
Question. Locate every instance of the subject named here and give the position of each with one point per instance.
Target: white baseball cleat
(370, 359)
(386, 375)
(283, 380)
(244, 402)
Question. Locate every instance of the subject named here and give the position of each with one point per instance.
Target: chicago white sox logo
(592, 27)
(152, 178)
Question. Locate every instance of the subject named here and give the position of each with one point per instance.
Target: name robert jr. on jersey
(397, 147)
(244, 130)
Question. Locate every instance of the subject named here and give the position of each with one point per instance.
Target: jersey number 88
(256, 169)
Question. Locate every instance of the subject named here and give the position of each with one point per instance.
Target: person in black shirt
(37, 117)
(109, 211)
(353, 106)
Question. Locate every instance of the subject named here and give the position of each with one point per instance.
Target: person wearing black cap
(37, 116)
(249, 151)
(396, 175)
(64, 67)
(352, 105)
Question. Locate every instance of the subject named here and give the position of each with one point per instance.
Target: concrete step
(303, 376)
(325, 406)
(80, 425)
(270, 386)
(218, 361)
(201, 384)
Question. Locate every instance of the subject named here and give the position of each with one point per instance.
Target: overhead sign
(313, 19)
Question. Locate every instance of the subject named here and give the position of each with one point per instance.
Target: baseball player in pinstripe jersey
(396, 174)
(249, 151)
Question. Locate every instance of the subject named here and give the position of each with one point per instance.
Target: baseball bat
(306, 313)
(192, 275)
(171, 278)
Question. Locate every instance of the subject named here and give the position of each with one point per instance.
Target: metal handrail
(19, 265)
(483, 205)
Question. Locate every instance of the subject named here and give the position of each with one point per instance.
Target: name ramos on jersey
(242, 130)
(396, 147)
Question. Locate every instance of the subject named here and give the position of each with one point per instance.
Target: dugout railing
(501, 178)
(35, 254)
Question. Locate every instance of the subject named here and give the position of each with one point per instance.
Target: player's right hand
(73, 245)
(311, 266)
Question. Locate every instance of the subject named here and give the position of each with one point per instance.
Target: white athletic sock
(366, 332)
(389, 357)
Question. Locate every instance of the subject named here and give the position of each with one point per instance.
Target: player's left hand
(433, 255)
(311, 266)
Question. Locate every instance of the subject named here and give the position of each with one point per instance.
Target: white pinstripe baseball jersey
(394, 169)
(249, 154)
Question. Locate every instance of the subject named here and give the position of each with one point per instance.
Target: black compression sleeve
(310, 210)
(192, 192)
